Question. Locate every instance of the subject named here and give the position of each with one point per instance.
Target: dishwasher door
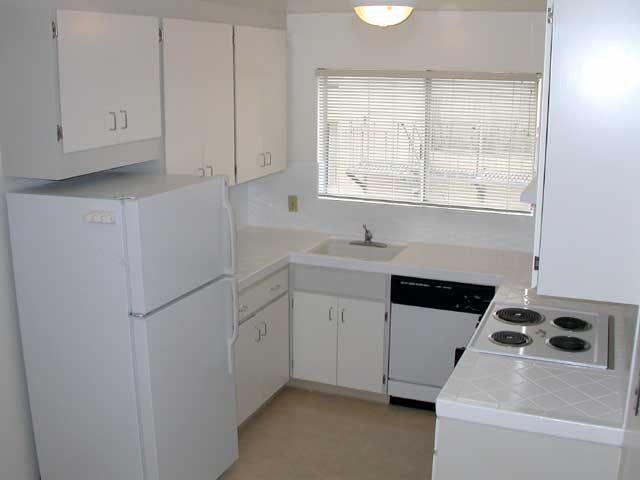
(423, 342)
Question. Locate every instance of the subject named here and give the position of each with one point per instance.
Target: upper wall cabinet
(588, 232)
(261, 102)
(198, 98)
(80, 92)
(109, 67)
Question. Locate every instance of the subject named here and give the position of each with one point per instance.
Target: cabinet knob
(243, 308)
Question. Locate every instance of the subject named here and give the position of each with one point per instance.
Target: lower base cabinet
(262, 357)
(339, 341)
(470, 450)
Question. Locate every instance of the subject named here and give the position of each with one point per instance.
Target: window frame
(322, 144)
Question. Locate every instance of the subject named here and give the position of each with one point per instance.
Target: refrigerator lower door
(177, 241)
(186, 391)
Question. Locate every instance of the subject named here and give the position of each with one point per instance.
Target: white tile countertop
(529, 395)
(263, 251)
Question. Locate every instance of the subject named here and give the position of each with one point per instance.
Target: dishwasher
(431, 320)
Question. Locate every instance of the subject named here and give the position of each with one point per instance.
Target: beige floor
(306, 435)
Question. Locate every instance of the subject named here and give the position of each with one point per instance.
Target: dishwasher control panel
(441, 295)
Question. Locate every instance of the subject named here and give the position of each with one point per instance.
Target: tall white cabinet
(588, 234)
(261, 101)
(198, 98)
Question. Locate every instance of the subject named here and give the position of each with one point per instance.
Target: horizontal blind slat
(465, 141)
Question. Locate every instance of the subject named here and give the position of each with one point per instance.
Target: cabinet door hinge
(160, 35)
(536, 264)
(54, 30)
(59, 134)
(550, 15)
(384, 379)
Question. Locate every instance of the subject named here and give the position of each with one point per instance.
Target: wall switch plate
(293, 203)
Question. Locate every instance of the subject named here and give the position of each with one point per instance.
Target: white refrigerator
(128, 315)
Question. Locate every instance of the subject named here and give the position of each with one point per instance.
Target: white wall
(475, 41)
(17, 454)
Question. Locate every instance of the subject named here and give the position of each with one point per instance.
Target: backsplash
(267, 207)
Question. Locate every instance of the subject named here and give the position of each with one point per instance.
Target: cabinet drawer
(259, 295)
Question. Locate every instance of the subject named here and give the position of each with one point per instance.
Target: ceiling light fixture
(383, 13)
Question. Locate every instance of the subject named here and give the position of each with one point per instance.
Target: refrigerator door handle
(232, 226)
(235, 324)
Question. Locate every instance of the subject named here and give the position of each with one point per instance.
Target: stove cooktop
(548, 334)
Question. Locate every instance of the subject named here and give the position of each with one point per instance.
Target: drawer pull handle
(342, 315)
(259, 335)
(114, 122)
(265, 329)
(330, 314)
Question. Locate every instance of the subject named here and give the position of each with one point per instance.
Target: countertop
(263, 251)
(534, 396)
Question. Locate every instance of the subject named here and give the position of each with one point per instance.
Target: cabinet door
(248, 369)
(361, 344)
(315, 330)
(590, 233)
(274, 105)
(260, 61)
(199, 113)
(109, 72)
(274, 322)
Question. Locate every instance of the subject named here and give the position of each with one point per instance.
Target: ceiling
(319, 6)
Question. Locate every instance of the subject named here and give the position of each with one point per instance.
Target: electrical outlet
(293, 203)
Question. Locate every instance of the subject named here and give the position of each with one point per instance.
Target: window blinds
(456, 140)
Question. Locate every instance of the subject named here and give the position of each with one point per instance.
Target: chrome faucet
(368, 236)
(368, 240)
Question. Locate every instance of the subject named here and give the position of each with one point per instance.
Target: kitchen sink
(345, 248)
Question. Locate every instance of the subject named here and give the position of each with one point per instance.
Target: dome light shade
(383, 13)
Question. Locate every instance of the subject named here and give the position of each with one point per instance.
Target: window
(427, 138)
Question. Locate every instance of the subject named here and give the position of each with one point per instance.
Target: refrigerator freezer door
(187, 396)
(177, 241)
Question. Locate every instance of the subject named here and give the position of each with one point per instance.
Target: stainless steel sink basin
(346, 249)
